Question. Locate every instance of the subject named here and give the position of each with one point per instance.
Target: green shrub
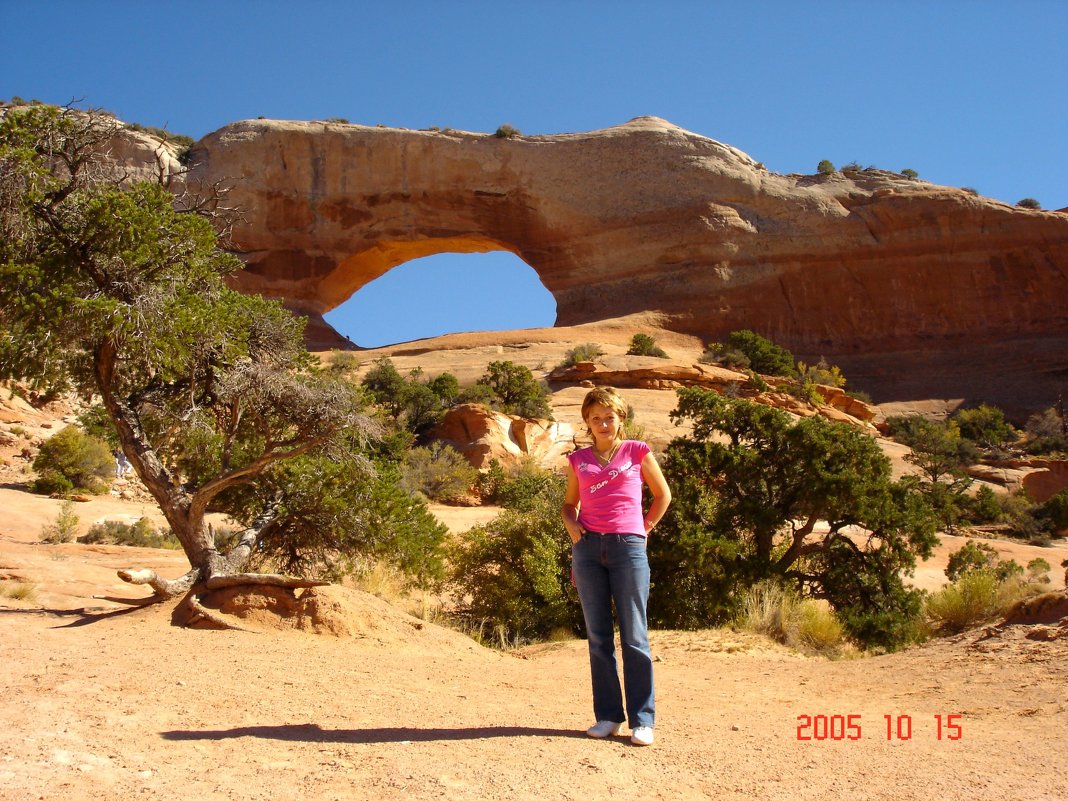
(518, 488)
(910, 173)
(507, 131)
(64, 528)
(985, 507)
(439, 472)
(339, 519)
(973, 557)
(343, 361)
(95, 422)
(985, 425)
(1028, 203)
(804, 624)
(731, 358)
(516, 391)
(764, 355)
(645, 345)
(969, 601)
(412, 403)
(71, 456)
(978, 597)
(1055, 510)
(141, 534)
(821, 373)
(1046, 433)
(825, 167)
(513, 573)
(1038, 571)
(588, 352)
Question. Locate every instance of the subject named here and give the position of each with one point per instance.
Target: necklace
(606, 459)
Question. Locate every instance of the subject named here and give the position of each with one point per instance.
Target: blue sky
(966, 92)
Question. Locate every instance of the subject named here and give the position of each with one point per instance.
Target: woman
(602, 512)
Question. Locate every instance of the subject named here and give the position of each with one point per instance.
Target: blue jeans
(615, 567)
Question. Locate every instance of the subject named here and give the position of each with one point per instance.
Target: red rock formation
(647, 372)
(911, 287)
(483, 435)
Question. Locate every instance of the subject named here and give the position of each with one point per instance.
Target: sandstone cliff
(873, 270)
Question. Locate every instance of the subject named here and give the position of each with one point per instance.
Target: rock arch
(648, 217)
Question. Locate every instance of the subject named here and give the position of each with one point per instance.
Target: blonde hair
(607, 397)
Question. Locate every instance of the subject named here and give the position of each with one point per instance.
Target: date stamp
(820, 728)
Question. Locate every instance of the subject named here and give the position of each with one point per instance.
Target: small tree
(516, 391)
(763, 354)
(513, 573)
(986, 426)
(749, 487)
(587, 352)
(71, 459)
(118, 290)
(910, 173)
(438, 471)
(1028, 203)
(825, 167)
(941, 454)
(645, 345)
(1047, 432)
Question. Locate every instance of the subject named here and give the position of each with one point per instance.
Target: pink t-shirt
(610, 496)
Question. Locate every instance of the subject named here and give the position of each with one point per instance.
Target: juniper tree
(111, 288)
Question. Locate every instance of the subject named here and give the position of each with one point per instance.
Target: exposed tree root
(190, 612)
(198, 613)
(267, 579)
(164, 589)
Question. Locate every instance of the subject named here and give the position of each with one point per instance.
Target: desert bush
(95, 422)
(339, 518)
(802, 623)
(414, 404)
(1046, 432)
(439, 472)
(141, 534)
(976, 557)
(1055, 510)
(507, 131)
(825, 167)
(1038, 571)
(745, 476)
(969, 601)
(587, 352)
(71, 459)
(764, 355)
(910, 173)
(985, 425)
(977, 597)
(721, 354)
(518, 487)
(1028, 203)
(821, 372)
(64, 528)
(513, 573)
(645, 345)
(18, 590)
(516, 391)
(343, 361)
(984, 507)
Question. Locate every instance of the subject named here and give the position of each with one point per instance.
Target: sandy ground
(104, 701)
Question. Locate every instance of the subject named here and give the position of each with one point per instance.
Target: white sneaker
(643, 735)
(604, 728)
